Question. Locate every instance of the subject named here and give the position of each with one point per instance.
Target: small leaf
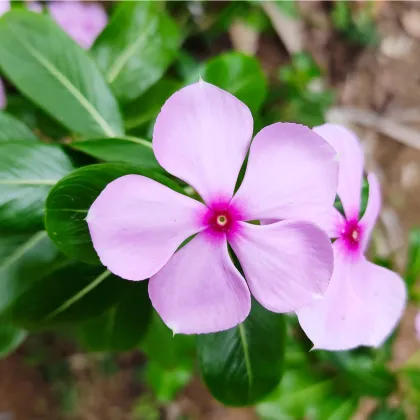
(28, 170)
(10, 339)
(57, 74)
(12, 129)
(146, 108)
(125, 149)
(122, 326)
(136, 47)
(242, 365)
(239, 74)
(69, 201)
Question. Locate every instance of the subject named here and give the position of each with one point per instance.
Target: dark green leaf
(147, 107)
(240, 75)
(28, 170)
(388, 413)
(55, 73)
(12, 129)
(412, 272)
(242, 365)
(69, 201)
(125, 149)
(73, 292)
(10, 339)
(122, 326)
(136, 47)
(23, 260)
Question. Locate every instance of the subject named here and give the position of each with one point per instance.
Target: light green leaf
(136, 47)
(57, 74)
(12, 129)
(10, 339)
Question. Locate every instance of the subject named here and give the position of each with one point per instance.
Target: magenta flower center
(222, 217)
(352, 234)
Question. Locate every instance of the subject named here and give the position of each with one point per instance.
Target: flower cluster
(287, 262)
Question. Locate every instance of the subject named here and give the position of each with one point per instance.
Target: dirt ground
(378, 90)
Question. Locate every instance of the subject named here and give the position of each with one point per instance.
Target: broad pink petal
(287, 264)
(3, 98)
(291, 174)
(361, 307)
(199, 290)
(202, 135)
(81, 20)
(373, 208)
(350, 158)
(136, 224)
(4, 6)
(417, 325)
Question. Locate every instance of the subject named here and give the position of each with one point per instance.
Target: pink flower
(364, 301)
(83, 21)
(417, 325)
(202, 136)
(4, 6)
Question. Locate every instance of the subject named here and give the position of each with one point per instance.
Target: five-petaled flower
(364, 301)
(202, 136)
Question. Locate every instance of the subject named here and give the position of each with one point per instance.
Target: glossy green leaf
(28, 170)
(73, 292)
(12, 129)
(69, 201)
(10, 339)
(125, 149)
(240, 75)
(57, 74)
(23, 260)
(242, 365)
(122, 326)
(136, 47)
(146, 108)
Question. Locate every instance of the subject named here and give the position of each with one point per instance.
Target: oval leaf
(136, 47)
(121, 327)
(239, 74)
(242, 365)
(10, 339)
(28, 170)
(69, 201)
(12, 129)
(126, 149)
(55, 73)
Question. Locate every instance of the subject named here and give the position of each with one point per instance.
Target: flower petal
(287, 264)
(202, 135)
(291, 174)
(350, 158)
(3, 98)
(136, 224)
(373, 208)
(199, 290)
(361, 307)
(417, 325)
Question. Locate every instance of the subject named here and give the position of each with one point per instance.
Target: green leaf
(136, 47)
(125, 149)
(240, 75)
(146, 108)
(12, 129)
(71, 293)
(69, 201)
(242, 365)
(23, 260)
(10, 339)
(57, 74)
(28, 170)
(122, 326)
(412, 272)
(388, 413)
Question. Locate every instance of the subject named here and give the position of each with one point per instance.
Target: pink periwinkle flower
(364, 301)
(202, 136)
(83, 21)
(417, 325)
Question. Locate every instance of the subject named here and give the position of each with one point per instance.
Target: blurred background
(355, 63)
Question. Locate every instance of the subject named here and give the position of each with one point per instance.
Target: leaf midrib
(244, 342)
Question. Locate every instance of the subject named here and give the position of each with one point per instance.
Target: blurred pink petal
(417, 325)
(350, 157)
(202, 135)
(199, 290)
(83, 21)
(361, 307)
(4, 6)
(136, 224)
(287, 264)
(291, 174)
(3, 99)
(34, 6)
